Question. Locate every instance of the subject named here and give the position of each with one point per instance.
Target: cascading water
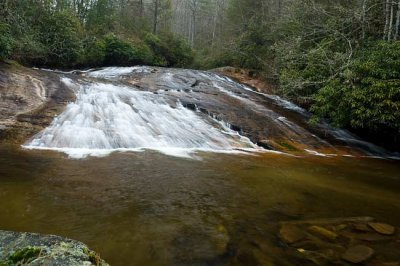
(178, 112)
(106, 117)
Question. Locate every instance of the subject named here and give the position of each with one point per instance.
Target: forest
(339, 59)
(199, 132)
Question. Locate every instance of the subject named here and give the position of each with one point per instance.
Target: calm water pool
(151, 209)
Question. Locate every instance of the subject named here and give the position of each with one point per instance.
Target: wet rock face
(249, 77)
(250, 114)
(36, 249)
(29, 100)
(265, 119)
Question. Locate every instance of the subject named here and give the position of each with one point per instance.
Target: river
(171, 176)
(153, 209)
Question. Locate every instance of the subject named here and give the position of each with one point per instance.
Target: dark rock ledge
(37, 249)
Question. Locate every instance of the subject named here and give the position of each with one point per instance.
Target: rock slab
(50, 250)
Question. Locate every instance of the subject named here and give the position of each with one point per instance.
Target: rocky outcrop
(29, 100)
(36, 249)
(251, 78)
(265, 119)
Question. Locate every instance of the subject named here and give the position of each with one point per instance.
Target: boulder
(50, 250)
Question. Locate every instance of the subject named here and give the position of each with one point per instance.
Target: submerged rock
(50, 250)
(339, 241)
(361, 228)
(291, 234)
(358, 254)
(206, 243)
(381, 228)
(323, 232)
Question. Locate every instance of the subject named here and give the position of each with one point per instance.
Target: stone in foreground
(36, 249)
(323, 232)
(381, 228)
(291, 234)
(358, 254)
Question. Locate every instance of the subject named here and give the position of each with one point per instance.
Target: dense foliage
(6, 41)
(73, 33)
(366, 94)
(338, 58)
(123, 53)
(60, 35)
(169, 51)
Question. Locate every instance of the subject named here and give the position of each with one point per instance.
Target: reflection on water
(151, 209)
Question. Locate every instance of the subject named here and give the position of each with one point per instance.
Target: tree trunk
(4, 9)
(396, 33)
(390, 30)
(193, 27)
(363, 19)
(141, 8)
(387, 16)
(194, 21)
(215, 24)
(155, 22)
(279, 7)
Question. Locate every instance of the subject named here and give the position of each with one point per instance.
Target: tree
(366, 95)
(155, 19)
(61, 35)
(6, 41)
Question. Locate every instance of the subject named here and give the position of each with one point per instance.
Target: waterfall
(107, 117)
(180, 112)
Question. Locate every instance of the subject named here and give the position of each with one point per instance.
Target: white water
(106, 118)
(278, 100)
(115, 72)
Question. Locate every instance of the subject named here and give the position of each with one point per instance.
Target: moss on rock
(36, 249)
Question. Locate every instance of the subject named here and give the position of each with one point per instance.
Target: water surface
(148, 208)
